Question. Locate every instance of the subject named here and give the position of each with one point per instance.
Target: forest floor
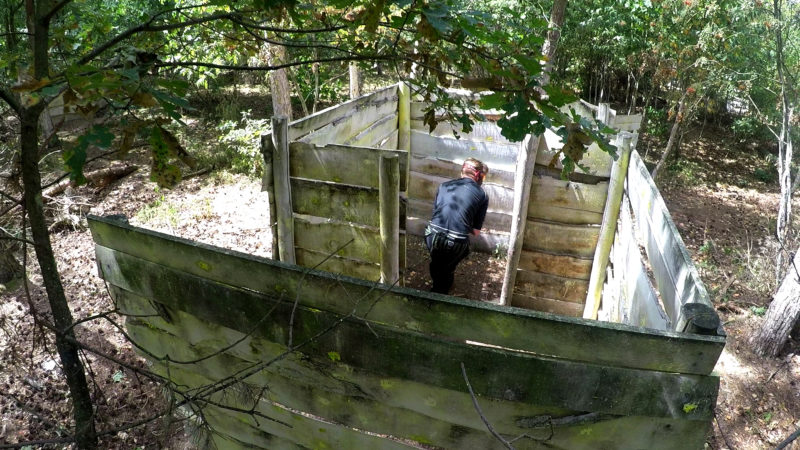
(719, 196)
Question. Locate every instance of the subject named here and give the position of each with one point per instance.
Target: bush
(748, 128)
(240, 142)
(657, 123)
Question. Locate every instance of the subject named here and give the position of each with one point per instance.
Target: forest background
(180, 87)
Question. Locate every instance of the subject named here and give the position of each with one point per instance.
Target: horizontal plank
(549, 237)
(450, 169)
(376, 132)
(547, 305)
(428, 414)
(561, 265)
(390, 352)
(341, 164)
(489, 241)
(336, 201)
(596, 161)
(438, 315)
(356, 124)
(630, 122)
(423, 187)
(537, 284)
(571, 196)
(494, 220)
(339, 112)
(481, 131)
(335, 238)
(337, 264)
(495, 155)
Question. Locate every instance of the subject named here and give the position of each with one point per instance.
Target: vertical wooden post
(526, 160)
(268, 186)
(389, 184)
(403, 116)
(604, 113)
(608, 226)
(355, 80)
(283, 188)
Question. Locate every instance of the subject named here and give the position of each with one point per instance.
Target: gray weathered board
(388, 362)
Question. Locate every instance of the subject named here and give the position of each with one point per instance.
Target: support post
(389, 185)
(283, 188)
(698, 318)
(604, 113)
(403, 116)
(268, 186)
(608, 227)
(526, 160)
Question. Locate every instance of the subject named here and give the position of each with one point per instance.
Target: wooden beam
(526, 160)
(495, 155)
(389, 181)
(403, 117)
(450, 169)
(268, 186)
(283, 188)
(340, 202)
(553, 264)
(548, 305)
(340, 163)
(550, 237)
(538, 284)
(459, 319)
(608, 227)
(344, 239)
(375, 133)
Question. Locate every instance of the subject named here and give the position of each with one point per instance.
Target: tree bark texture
(673, 138)
(83, 412)
(355, 81)
(279, 83)
(553, 35)
(782, 314)
(785, 149)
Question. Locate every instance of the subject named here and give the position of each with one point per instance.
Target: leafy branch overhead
(131, 63)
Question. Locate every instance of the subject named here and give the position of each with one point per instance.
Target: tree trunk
(782, 314)
(673, 135)
(279, 82)
(553, 35)
(784, 145)
(85, 435)
(355, 81)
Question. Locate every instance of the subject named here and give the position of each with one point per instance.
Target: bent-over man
(458, 211)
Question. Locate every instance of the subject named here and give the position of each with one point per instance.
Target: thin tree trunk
(782, 314)
(673, 135)
(784, 145)
(553, 35)
(355, 80)
(279, 82)
(85, 434)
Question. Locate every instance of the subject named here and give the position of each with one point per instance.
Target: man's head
(474, 169)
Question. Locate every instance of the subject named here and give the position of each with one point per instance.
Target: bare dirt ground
(723, 212)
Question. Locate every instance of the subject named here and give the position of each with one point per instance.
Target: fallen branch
(100, 177)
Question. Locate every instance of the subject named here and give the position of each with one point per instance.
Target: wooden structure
(272, 355)
(333, 359)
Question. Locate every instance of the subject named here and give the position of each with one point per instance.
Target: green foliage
(765, 175)
(657, 124)
(240, 143)
(749, 128)
(759, 311)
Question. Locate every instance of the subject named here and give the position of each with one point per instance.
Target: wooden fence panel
(340, 132)
(452, 169)
(342, 112)
(676, 277)
(337, 264)
(494, 220)
(566, 201)
(596, 161)
(336, 201)
(331, 237)
(547, 305)
(375, 133)
(340, 164)
(561, 265)
(424, 187)
(531, 331)
(574, 240)
(481, 131)
(536, 284)
(496, 155)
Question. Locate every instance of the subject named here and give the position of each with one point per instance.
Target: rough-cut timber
(361, 349)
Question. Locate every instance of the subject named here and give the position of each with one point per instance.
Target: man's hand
(476, 232)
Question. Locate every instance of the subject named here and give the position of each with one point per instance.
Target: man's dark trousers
(445, 256)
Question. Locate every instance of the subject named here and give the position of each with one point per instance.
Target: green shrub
(240, 143)
(657, 123)
(767, 176)
(748, 128)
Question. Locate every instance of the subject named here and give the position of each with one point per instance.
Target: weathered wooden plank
(389, 180)
(677, 279)
(337, 264)
(536, 284)
(561, 265)
(572, 197)
(562, 215)
(341, 112)
(335, 238)
(335, 201)
(494, 220)
(391, 352)
(489, 241)
(339, 163)
(596, 161)
(282, 188)
(375, 133)
(340, 132)
(481, 131)
(428, 414)
(424, 187)
(630, 122)
(389, 142)
(540, 333)
(403, 117)
(549, 237)
(608, 227)
(268, 186)
(495, 155)
(547, 305)
(450, 169)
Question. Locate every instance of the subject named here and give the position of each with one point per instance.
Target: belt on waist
(449, 234)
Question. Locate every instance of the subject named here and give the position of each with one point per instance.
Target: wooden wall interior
(373, 368)
(333, 168)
